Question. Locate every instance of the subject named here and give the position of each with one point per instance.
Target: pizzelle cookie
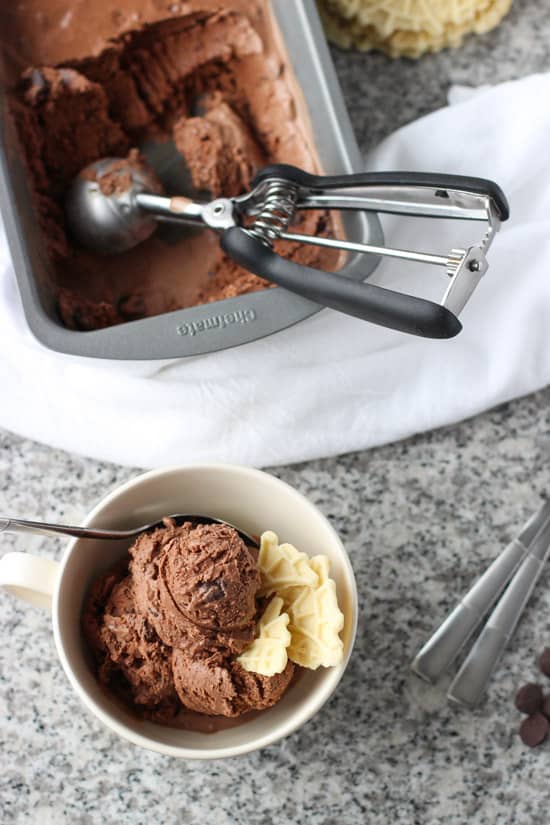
(309, 598)
(408, 28)
(267, 654)
(281, 565)
(315, 620)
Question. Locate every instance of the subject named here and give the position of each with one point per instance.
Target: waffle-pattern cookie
(315, 620)
(408, 28)
(267, 654)
(281, 565)
(309, 598)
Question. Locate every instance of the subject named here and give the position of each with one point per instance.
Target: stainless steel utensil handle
(370, 249)
(279, 190)
(216, 214)
(443, 647)
(404, 193)
(11, 525)
(396, 310)
(472, 678)
(171, 209)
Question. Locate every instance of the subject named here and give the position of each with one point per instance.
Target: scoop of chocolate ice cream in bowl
(190, 640)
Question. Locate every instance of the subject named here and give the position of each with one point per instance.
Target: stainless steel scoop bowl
(115, 203)
(112, 221)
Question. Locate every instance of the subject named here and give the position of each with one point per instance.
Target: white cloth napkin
(331, 384)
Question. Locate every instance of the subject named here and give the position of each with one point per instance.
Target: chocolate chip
(546, 707)
(38, 80)
(529, 698)
(544, 661)
(66, 76)
(37, 87)
(534, 730)
(132, 307)
(212, 591)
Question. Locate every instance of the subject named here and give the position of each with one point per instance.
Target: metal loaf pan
(221, 324)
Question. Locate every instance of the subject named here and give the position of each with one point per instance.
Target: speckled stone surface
(420, 520)
(384, 94)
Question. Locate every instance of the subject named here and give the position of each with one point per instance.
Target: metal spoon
(14, 525)
(443, 647)
(471, 680)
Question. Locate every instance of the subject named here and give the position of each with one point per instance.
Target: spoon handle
(443, 647)
(471, 680)
(14, 525)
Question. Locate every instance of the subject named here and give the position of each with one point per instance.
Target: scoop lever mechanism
(408, 194)
(111, 218)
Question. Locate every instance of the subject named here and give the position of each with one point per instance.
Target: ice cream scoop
(115, 203)
(197, 584)
(42, 528)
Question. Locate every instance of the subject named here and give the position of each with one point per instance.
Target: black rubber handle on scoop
(395, 310)
(479, 186)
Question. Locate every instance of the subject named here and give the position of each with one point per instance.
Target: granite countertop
(420, 520)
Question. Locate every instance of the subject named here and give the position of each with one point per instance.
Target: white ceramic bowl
(250, 499)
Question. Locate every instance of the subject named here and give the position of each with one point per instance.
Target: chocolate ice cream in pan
(210, 92)
(199, 629)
